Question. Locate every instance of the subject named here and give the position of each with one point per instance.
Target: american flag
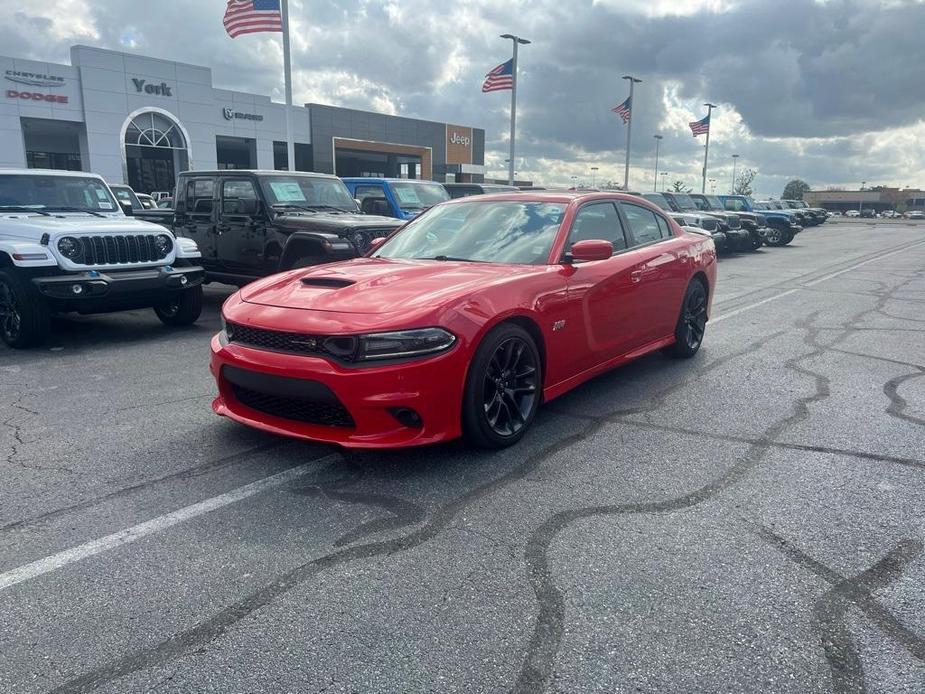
(700, 127)
(501, 78)
(623, 110)
(252, 16)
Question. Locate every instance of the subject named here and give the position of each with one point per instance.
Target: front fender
(27, 254)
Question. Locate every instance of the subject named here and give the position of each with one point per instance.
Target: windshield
(685, 202)
(761, 206)
(127, 195)
(496, 232)
(307, 191)
(714, 202)
(74, 192)
(413, 195)
(659, 200)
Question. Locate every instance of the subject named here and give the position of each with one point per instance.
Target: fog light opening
(77, 288)
(183, 279)
(407, 417)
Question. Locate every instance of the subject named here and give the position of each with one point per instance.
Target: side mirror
(592, 249)
(374, 246)
(127, 208)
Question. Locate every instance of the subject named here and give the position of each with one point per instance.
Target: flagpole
(516, 40)
(287, 70)
(629, 131)
(706, 149)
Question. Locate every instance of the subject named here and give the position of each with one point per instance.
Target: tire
(25, 319)
(788, 237)
(503, 388)
(774, 236)
(692, 322)
(183, 308)
(756, 240)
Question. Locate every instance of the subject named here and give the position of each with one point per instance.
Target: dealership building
(141, 121)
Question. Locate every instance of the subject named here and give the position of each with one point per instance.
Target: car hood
(29, 226)
(336, 222)
(379, 285)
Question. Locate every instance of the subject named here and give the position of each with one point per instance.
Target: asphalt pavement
(749, 520)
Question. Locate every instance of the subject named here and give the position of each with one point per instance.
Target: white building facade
(138, 120)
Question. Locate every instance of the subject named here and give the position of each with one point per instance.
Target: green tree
(744, 182)
(679, 187)
(795, 189)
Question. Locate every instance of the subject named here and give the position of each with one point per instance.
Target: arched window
(152, 129)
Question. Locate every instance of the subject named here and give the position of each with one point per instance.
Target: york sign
(162, 89)
(457, 139)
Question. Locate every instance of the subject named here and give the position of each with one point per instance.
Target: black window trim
(219, 193)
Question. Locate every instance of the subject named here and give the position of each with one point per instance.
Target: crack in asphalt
(830, 611)
(13, 458)
(543, 648)
(207, 631)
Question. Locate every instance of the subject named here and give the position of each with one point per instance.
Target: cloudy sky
(826, 90)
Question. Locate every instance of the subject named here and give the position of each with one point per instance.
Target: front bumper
(361, 406)
(118, 285)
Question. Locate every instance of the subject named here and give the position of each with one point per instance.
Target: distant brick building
(879, 200)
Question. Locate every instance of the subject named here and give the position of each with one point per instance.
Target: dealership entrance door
(155, 152)
(366, 158)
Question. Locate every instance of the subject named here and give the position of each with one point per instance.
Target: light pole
(658, 140)
(664, 175)
(594, 176)
(735, 158)
(861, 197)
(629, 131)
(516, 41)
(706, 149)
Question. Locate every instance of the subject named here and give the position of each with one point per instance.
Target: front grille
(733, 221)
(709, 223)
(362, 239)
(118, 249)
(292, 343)
(332, 414)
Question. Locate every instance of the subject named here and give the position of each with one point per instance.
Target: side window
(598, 221)
(643, 224)
(199, 194)
(233, 191)
(664, 227)
(363, 192)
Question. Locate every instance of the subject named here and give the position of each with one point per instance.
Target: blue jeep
(401, 198)
(782, 225)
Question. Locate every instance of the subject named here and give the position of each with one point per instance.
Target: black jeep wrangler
(250, 224)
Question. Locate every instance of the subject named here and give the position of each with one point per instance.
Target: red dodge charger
(463, 321)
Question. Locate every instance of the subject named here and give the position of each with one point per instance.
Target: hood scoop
(326, 282)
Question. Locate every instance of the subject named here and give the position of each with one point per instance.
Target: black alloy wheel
(10, 318)
(692, 322)
(25, 319)
(503, 388)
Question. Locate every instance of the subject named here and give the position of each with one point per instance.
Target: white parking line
(155, 525)
(812, 283)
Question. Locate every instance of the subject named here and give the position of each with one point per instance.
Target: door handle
(636, 275)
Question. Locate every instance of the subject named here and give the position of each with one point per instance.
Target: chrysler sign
(34, 79)
(231, 114)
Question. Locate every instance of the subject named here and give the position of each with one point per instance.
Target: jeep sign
(162, 89)
(457, 139)
(459, 144)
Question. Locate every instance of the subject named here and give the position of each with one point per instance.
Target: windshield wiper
(74, 209)
(444, 258)
(23, 208)
(309, 208)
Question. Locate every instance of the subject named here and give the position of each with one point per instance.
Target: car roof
(48, 172)
(255, 172)
(360, 179)
(560, 196)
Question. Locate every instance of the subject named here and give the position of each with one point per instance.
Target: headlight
(404, 343)
(70, 248)
(163, 244)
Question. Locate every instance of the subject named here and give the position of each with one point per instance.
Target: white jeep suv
(65, 245)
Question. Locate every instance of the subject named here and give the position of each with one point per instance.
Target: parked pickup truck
(65, 245)
(250, 224)
(782, 226)
(401, 198)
